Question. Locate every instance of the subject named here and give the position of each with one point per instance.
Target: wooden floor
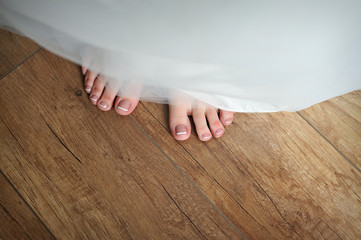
(70, 171)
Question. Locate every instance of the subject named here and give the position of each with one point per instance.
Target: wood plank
(13, 50)
(339, 121)
(89, 174)
(276, 169)
(218, 175)
(17, 221)
(314, 187)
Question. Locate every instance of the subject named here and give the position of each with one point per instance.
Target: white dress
(245, 56)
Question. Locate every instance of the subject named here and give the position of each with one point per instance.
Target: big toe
(125, 106)
(179, 122)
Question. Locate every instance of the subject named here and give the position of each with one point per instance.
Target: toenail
(219, 131)
(94, 98)
(124, 105)
(103, 105)
(228, 121)
(180, 130)
(88, 89)
(206, 136)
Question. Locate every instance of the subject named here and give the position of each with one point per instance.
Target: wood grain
(17, 221)
(13, 50)
(276, 169)
(339, 121)
(217, 174)
(315, 189)
(89, 174)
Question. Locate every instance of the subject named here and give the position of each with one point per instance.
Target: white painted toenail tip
(124, 109)
(103, 105)
(181, 133)
(88, 89)
(93, 99)
(218, 132)
(229, 120)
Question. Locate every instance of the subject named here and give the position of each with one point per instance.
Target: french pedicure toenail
(219, 131)
(88, 89)
(206, 136)
(103, 105)
(180, 130)
(94, 98)
(228, 121)
(124, 105)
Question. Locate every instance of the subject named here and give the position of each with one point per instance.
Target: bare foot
(207, 121)
(202, 114)
(105, 98)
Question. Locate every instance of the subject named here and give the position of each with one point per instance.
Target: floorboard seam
(264, 191)
(329, 142)
(27, 204)
(241, 206)
(21, 62)
(180, 209)
(8, 213)
(186, 176)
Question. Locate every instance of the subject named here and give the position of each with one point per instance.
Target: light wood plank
(17, 221)
(278, 169)
(89, 174)
(13, 50)
(339, 121)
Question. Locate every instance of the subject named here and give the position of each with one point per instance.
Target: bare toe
(97, 90)
(125, 106)
(214, 122)
(106, 100)
(200, 121)
(89, 80)
(179, 122)
(226, 117)
(84, 69)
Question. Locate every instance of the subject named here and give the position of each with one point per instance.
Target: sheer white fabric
(245, 56)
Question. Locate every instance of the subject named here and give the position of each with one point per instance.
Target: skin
(206, 119)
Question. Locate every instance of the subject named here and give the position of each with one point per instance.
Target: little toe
(125, 106)
(97, 90)
(106, 100)
(89, 80)
(200, 122)
(84, 70)
(179, 122)
(226, 117)
(214, 122)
